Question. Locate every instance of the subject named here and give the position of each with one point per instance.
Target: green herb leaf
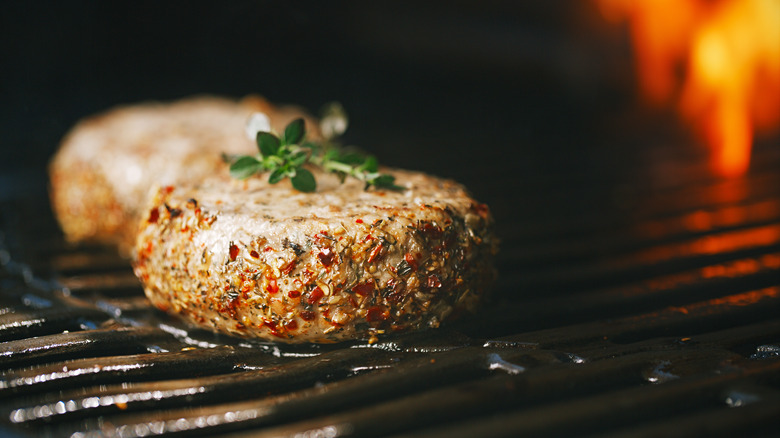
(267, 143)
(245, 167)
(297, 159)
(294, 132)
(370, 165)
(277, 175)
(304, 181)
(387, 182)
(351, 157)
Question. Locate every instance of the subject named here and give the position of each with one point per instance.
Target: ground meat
(256, 260)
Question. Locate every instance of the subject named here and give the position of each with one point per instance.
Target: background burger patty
(106, 165)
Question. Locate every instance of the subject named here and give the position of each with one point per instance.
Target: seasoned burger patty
(266, 261)
(107, 163)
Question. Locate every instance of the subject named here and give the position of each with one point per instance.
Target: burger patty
(106, 165)
(259, 260)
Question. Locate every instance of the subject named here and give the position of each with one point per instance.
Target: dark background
(501, 96)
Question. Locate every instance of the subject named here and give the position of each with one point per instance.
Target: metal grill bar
(691, 399)
(22, 323)
(94, 343)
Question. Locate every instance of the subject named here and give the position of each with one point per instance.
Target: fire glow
(717, 60)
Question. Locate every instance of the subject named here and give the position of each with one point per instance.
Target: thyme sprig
(285, 156)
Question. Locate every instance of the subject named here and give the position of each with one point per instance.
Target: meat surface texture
(259, 260)
(106, 165)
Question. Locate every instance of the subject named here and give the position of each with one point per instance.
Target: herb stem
(336, 166)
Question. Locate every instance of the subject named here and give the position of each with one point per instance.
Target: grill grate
(651, 318)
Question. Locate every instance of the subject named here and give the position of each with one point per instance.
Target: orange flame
(718, 59)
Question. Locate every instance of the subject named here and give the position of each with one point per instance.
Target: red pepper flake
(326, 257)
(254, 254)
(289, 268)
(154, 215)
(375, 253)
(291, 325)
(431, 231)
(233, 251)
(433, 281)
(364, 288)
(358, 221)
(294, 294)
(148, 247)
(167, 190)
(233, 305)
(272, 327)
(267, 249)
(411, 260)
(395, 290)
(376, 314)
(315, 295)
(272, 287)
(308, 315)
